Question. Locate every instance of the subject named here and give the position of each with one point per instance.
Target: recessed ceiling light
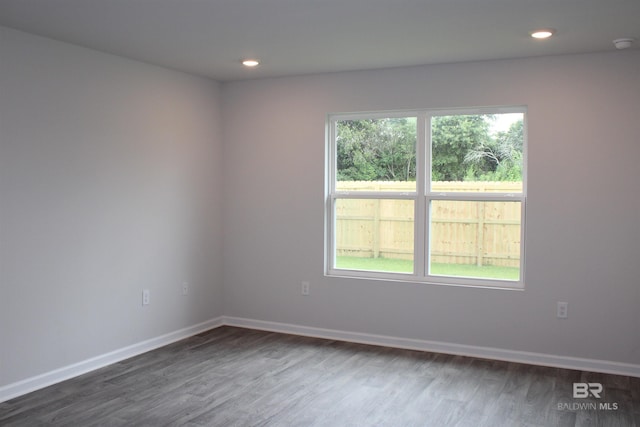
(543, 33)
(250, 63)
(623, 43)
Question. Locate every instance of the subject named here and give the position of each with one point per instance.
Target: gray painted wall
(110, 182)
(117, 176)
(583, 209)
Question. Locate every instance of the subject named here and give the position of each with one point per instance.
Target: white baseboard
(35, 383)
(592, 365)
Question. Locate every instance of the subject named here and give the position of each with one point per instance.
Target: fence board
(462, 232)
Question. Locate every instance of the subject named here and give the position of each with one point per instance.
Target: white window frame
(422, 198)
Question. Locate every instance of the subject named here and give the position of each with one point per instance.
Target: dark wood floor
(239, 377)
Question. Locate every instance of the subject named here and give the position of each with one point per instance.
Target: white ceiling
(290, 37)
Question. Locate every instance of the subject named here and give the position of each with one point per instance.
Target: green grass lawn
(406, 266)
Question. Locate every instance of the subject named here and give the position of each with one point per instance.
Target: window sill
(428, 280)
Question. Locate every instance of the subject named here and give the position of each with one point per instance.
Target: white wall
(111, 181)
(583, 211)
(110, 175)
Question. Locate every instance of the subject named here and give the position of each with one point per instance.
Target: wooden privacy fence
(462, 232)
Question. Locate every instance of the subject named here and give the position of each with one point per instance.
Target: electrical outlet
(185, 288)
(563, 310)
(146, 296)
(305, 288)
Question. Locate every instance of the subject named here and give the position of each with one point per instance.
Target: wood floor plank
(239, 377)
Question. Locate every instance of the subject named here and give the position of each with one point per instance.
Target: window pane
(374, 235)
(475, 239)
(477, 153)
(376, 154)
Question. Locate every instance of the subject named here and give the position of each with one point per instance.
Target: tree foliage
(499, 158)
(463, 148)
(377, 149)
(452, 137)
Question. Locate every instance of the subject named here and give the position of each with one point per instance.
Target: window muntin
(497, 258)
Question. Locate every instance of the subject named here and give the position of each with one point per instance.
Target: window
(428, 196)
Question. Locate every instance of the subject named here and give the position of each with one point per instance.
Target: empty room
(319, 213)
